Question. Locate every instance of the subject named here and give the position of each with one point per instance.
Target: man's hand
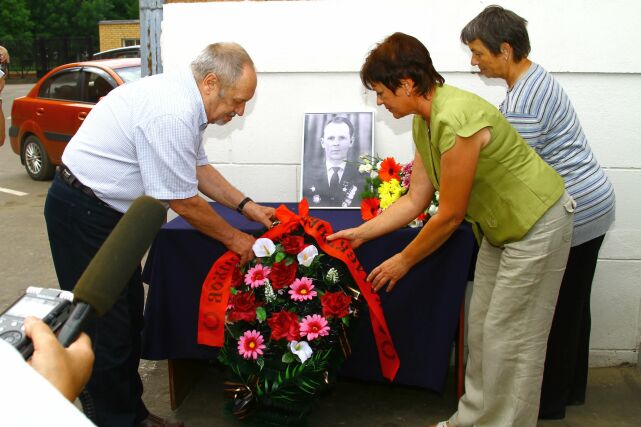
(241, 243)
(205, 219)
(68, 369)
(258, 213)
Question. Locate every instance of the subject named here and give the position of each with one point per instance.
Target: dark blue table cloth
(422, 311)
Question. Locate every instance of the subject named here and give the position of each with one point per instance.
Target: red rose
(284, 324)
(282, 275)
(243, 307)
(293, 244)
(335, 304)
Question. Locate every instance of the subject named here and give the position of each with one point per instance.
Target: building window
(130, 42)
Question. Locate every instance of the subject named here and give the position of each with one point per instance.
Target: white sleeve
(28, 399)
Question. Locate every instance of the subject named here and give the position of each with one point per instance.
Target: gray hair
(496, 25)
(226, 60)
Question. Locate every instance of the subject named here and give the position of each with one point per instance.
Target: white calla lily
(263, 247)
(307, 255)
(301, 349)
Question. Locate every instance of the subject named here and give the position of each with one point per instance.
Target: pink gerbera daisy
(314, 326)
(250, 345)
(257, 275)
(302, 289)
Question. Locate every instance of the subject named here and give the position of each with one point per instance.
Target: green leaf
(233, 291)
(345, 320)
(261, 314)
(287, 374)
(261, 363)
(288, 357)
(280, 256)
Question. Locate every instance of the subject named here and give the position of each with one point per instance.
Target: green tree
(15, 20)
(58, 18)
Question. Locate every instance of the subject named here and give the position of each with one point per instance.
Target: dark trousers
(77, 226)
(566, 365)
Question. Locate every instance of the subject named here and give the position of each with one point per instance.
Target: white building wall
(308, 54)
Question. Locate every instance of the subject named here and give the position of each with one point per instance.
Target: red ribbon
(215, 292)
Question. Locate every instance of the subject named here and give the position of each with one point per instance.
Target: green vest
(512, 187)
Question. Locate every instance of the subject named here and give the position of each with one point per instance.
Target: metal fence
(35, 57)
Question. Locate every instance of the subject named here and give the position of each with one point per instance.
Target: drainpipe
(150, 21)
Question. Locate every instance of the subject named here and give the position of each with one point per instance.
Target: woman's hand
(351, 234)
(389, 272)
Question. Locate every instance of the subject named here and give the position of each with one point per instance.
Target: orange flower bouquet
(386, 181)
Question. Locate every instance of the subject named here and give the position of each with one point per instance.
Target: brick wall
(112, 33)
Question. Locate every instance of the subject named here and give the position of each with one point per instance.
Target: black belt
(70, 179)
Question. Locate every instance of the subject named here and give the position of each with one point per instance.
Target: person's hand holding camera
(68, 369)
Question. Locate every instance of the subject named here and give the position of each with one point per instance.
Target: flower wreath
(287, 317)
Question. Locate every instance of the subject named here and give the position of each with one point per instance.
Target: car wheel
(36, 161)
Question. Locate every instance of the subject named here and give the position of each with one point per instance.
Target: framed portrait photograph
(332, 146)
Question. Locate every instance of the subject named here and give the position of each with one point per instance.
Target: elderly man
(145, 137)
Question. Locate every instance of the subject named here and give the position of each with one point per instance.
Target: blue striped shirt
(143, 138)
(542, 113)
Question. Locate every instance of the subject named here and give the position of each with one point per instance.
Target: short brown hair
(400, 56)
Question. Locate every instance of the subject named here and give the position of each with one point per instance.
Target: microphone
(111, 268)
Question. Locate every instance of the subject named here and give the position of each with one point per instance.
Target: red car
(43, 121)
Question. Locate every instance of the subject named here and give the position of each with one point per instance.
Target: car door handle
(82, 115)
(40, 111)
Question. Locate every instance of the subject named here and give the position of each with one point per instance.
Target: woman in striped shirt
(539, 109)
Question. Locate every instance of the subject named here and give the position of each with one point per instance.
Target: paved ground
(614, 394)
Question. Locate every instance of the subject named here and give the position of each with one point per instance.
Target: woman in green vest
(521, 215)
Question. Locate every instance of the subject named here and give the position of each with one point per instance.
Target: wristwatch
(242, 204)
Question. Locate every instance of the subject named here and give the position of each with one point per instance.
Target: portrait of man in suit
(332, 146)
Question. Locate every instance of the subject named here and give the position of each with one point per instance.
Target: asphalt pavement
(25, 260)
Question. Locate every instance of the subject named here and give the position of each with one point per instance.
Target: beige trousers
(511, 310)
